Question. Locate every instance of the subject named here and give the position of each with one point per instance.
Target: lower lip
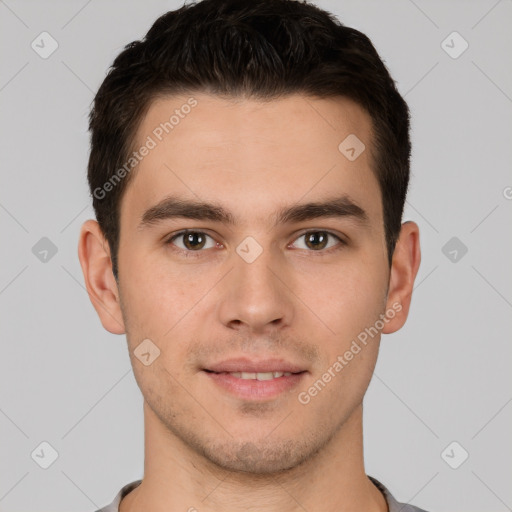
(253, 389)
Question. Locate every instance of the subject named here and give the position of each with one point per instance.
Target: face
(260, 283)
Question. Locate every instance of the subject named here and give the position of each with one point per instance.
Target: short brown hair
(261, 49)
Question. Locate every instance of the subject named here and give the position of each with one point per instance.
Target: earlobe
(94, 256)
(404, 267)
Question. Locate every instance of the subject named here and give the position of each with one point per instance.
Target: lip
(243, 364)
(252, 389)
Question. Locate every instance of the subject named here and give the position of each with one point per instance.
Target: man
(249, 166)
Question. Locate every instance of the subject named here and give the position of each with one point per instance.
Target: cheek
(155, 309)
(348, 299)
(158, 296)
(147, 280)
(339, 386)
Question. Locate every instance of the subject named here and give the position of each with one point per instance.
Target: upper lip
(243, 364)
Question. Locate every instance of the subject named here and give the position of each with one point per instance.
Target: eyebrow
(173, 207)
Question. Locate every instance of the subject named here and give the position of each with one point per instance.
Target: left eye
(319, 240)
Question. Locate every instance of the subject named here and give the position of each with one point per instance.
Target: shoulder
(114, 506)
(393, 504)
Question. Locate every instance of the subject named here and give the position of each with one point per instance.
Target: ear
(404, 267)
(94, 256)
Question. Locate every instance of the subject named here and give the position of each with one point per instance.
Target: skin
(205, 448)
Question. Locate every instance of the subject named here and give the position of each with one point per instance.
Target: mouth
(252, 380)
(255, 375)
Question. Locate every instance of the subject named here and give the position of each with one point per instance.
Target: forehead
(251, 155)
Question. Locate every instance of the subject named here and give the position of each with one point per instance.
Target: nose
(256, 296)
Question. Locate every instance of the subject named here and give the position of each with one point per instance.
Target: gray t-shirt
(393, 505)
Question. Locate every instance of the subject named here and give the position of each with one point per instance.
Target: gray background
(444, 377)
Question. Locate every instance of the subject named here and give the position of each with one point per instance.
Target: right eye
(192, 241)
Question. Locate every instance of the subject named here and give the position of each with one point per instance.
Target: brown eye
(192, 241)
(318, 240)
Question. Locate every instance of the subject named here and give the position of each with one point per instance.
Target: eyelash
(189, 253)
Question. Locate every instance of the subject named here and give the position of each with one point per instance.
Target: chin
(259, 458)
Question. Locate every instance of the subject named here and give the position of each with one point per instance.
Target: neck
(178, 478)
